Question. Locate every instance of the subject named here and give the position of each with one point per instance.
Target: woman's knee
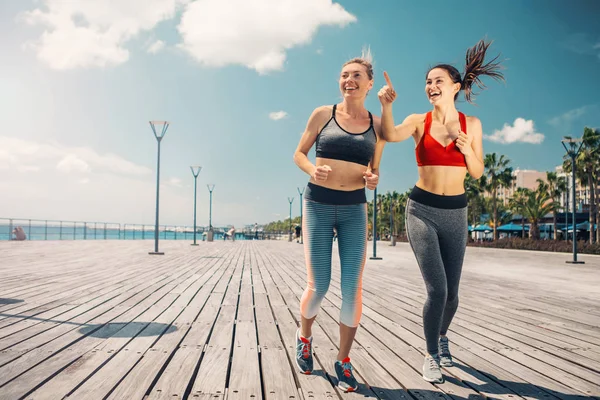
(437, 293)
(452, 299)
(321, 288)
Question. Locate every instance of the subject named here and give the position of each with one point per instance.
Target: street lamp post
(159, 136)
(195, 171)
(291, 200)
(301, 231)
(573, 150)
(567, 212)
(209, 235)
(375, 227)
(392, 237)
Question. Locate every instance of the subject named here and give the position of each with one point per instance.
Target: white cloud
(94, 33)
(156, 47)
(521, 131)
(175, 182)
(254, 33)
(25, 155)
(276, 116)
(72, 163)
(565, 120)
(580, 43)
(113, 189)
(27, 168)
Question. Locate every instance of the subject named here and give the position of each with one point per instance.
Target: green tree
(476, 204)
(497, 174)
(589, 162)
(556, 187)
(537, 205)
(517, 204)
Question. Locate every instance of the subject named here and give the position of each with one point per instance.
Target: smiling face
(440, 88)
(355, 81)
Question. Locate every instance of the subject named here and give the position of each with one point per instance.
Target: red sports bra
(431, 152)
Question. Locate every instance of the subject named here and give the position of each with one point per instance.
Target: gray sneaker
(444, 352)
(431, 369)
(304, 356)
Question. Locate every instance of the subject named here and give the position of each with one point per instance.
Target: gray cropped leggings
(438, 238)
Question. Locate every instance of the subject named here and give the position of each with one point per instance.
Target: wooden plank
(315, 386)
(212, 375)
(566, 362)
(556, 388)
(189, 342)
(324, 346)
(245, 379)
(541, 367)
(79, 371)
(175, 378)
(68, 332)
(337, 301)
(66, 339)
(71, 378)
(373, 372)
(19, 381)
(533, 340)
(276, 371)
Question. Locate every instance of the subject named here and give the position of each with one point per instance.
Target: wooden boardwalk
(105, 320)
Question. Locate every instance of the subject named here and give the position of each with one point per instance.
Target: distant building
(582, 192)
(522, 178)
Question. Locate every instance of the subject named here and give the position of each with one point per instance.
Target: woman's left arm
(471, 146)
(373, 168)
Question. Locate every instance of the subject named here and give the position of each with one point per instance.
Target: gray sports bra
(336, 143)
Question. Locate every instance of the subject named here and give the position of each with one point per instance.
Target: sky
(237, 81)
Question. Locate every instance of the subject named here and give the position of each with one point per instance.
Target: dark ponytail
(474, 68)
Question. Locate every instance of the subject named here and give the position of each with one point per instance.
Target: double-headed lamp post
(573, 150)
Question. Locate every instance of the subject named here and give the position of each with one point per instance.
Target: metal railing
(36, 229)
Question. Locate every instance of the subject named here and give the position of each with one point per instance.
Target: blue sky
(81, 83)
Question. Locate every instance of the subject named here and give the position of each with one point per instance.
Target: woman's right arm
(401, 132)
(317, 119)
(391, 133)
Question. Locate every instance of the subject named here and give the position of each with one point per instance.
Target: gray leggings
(438, 238)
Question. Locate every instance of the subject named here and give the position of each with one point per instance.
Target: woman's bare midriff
(344, 175)
(442, 180)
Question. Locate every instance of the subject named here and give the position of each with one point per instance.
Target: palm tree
(517, 204)
(386, 212)
(503, 215)
(556, 187)
(587, 172)
(538, 204)
(498, 174)
(579, 175)
(380, 200)
(474, 189)
(588, 161)
(401, 210)
(392, 207)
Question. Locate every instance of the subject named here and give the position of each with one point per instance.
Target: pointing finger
(387, 80)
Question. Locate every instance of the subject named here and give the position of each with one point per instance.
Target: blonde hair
(366, 60)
